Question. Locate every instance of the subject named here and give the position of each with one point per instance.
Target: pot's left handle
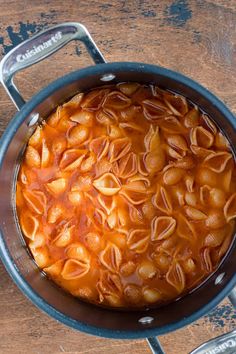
(40, 47)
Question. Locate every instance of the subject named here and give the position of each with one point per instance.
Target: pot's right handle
(40, 47)
(225, 342)
(232, 297)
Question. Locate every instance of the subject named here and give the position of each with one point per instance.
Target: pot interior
(18, 261)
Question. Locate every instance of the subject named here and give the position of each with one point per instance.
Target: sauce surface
(126, 196)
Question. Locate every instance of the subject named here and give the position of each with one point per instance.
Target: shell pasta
(126, 195)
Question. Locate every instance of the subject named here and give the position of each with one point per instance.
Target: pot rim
(5, 140)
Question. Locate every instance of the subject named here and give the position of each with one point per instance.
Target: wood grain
(195, 37)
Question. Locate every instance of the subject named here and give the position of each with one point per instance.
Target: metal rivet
(219, 279)
(33, 119)
(107, 77)
(146, 320)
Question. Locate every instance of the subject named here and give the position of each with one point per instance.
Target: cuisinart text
(37, 49)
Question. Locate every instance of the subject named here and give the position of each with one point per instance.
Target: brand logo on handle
(40, 48)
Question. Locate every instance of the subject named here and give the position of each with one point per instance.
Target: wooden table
(195, 37)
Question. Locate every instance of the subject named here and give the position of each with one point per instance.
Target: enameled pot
(13, 251)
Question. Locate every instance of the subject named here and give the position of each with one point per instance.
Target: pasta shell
(214, 238)
(71, 159)
(76, 99)
(215, 219)
(200, 151)
(176, 277)
(138, 240)
(135, 192)
(217, 198)
(32, 157)
(107, 184)
(129, 113)
(114, 131)
(58, 186)
(185, 163)
(54, 213)
(94, 99)
(189, 182)
(206, 261)
(226, 179)
(217, 162)
(174, 153)
(128, 88)
(162, 227)
(109, 288)
(230, 208)
(185, 229)
(210, 124)
(83, 117)
(75, 197)
(191, 198)
(116, 100)
(78, 251)
(191, 119)
(195, 214)
(177, 142)
(126, 167)
(141, 165)
(78, 135)
(104, 118)
(176, 103)
(152, 139)
(135, 215)
(99, 217)
(107, 203)
(55, 269)
(84, 184)
(204, 176)
(130, 126)
(39, 240)
(29, 225)
(171, 125)
(228, 238)
(178, 193)
(119, 148)
(64, 237)
(102, 166)
(162, 200)
(36, 200)
(41, 256)
(59, 145)
(111, 257)
(154, 109)
(221, 142)
(154, 161)
(36, 137)
(45, 157)
(173, 176)
(88, 163)
(99, 147)
(74, 269)
(199, 136)
(148, 210)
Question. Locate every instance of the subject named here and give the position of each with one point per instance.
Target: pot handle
(227, 340)
(155, 345)
(40, 47)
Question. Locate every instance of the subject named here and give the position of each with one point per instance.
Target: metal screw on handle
(40, 47)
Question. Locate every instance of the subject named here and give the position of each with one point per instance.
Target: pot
(13, 251)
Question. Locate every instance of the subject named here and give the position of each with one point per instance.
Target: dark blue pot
(16, 258)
